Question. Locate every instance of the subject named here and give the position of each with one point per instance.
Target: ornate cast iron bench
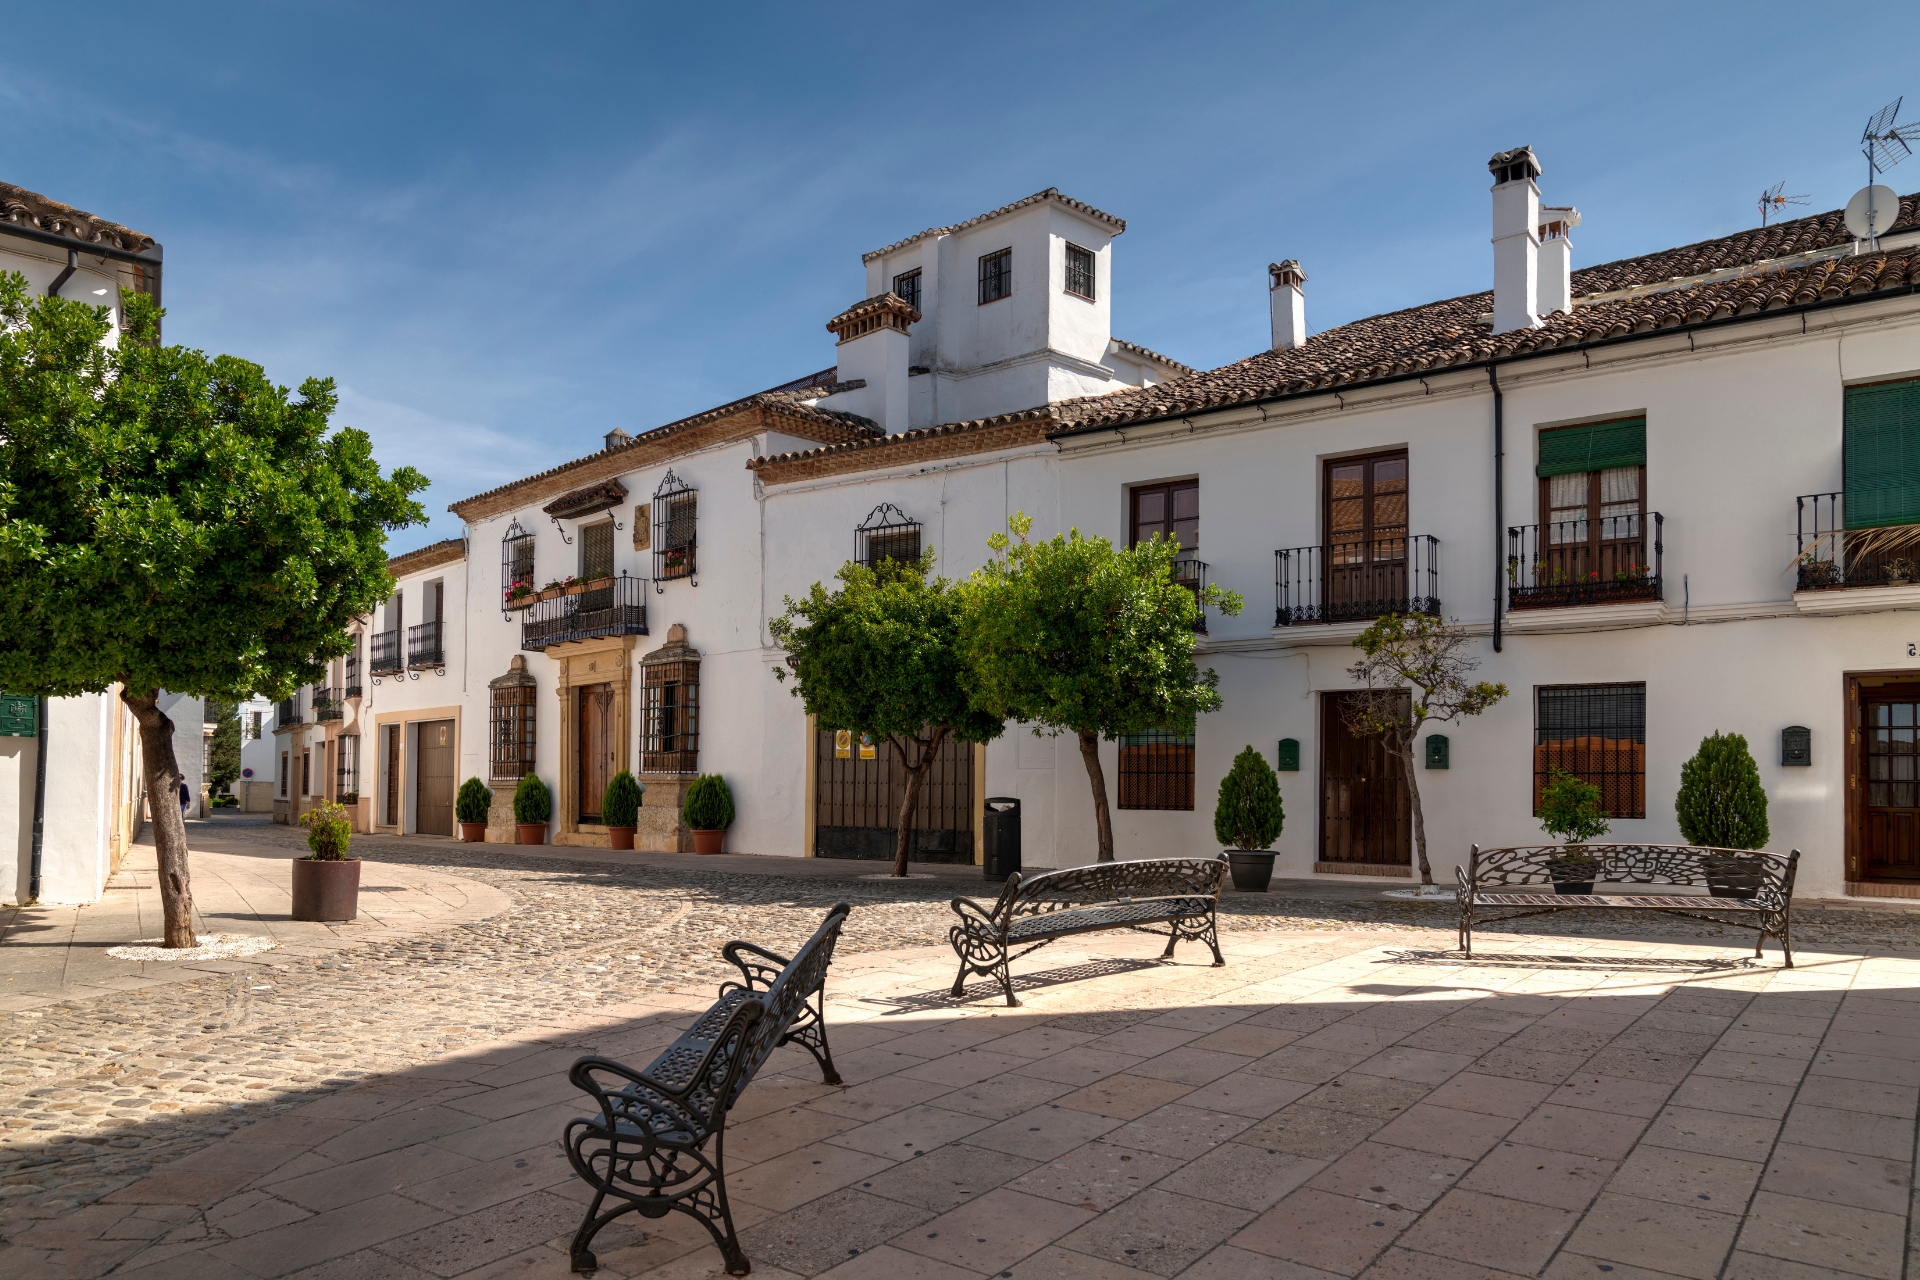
(1180, 893)
(1500, 878)
(657, 1143)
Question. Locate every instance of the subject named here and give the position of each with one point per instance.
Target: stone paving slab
(1278, 1117)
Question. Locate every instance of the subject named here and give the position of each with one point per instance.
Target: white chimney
(1556, 259)
(873, 347)
(1516, 248)
(1287, 300)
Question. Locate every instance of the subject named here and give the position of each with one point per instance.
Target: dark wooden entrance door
(857, 802)
(392, 770)
(596, 747)
(433, 801)
(1888, 768)
(1365, 809)
(1366, 537)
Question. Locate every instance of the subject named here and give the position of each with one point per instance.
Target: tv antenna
(1885, 144)
(1771, 201)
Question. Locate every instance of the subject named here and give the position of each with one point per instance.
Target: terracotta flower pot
(532, 832)
(326, 890)
(709, 841)
(620, 837)
(473, 832)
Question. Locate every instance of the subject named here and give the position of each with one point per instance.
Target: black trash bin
(1002, 838)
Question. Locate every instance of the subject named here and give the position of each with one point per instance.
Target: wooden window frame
(1169, 488)
(1368, 535)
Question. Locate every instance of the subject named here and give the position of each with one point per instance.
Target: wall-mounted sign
(843, 744)
(19, 715)
(246, 773)
(866, 746)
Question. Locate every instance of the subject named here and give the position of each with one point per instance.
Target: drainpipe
(39, 805)
(73, 265)
(1499, 500)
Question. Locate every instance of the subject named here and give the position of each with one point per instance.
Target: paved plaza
(1346, 1097)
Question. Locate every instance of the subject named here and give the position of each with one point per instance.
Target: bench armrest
(976, 920)
(758, 976)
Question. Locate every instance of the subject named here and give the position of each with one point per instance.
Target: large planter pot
(620, 837)
(1252, 871)
(532, 832)
(709, 841)
(1735, 877)
(473, 832)
(1573, 874)
(326, 890)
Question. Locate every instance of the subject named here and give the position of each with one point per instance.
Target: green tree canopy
(223, 748)
(1721, 802)
(1074, 635)
(880, 654)
(170, 520)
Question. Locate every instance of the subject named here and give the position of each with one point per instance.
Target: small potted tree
(1249, 817)
(532, 806)
(471, 807)
(708, 812)
(1570, 809)
(620, 809)
(326, 883)
(1722, 805)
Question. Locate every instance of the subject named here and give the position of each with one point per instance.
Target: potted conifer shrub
(1722, 805)
(620, 809)
(1249, 817)
(708, 812)
(1570, 807)
(326, 883)
(532, 806)
(471, 807)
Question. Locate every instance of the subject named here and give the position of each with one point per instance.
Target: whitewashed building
(1671, 494)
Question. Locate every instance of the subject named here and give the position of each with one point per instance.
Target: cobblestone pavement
(95, 1093)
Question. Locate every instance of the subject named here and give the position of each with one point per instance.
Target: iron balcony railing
(1828, 554)
(424, 645)
(325, 705)
(1612, 560)
(351, 687)
(1192, 574)
(383, 653)
(610, 607)
(1356, 581)
(288, 712)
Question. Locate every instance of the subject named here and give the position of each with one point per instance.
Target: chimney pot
(1287, 303)
(1556, 260)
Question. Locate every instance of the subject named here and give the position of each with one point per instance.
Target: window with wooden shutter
(1883, 455)
(596, 551)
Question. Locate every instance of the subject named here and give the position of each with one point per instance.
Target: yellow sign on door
(866, 746)
(843, 744)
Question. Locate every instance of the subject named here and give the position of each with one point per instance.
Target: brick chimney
(1516, 244)
(873, 347)
(1287, 300)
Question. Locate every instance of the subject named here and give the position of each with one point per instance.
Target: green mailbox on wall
(1437, 751)
(19, 715)
(1287, 759)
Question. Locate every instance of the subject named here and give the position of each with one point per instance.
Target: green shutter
(1883, 455)
(1593, 448)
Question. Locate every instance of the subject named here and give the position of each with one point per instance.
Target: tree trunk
(1102, 820)
(1419, 818)
(916, 775)
(169, 825)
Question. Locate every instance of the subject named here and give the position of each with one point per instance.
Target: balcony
(1612, 561)
(383, 653)
(1346, 583)
(351, 688)
(1192, 574)
(288, 713)
(326, 706)
(426, 645)
(608, 607)
(1841, 570)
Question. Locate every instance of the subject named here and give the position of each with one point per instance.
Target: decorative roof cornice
(1050, 196)
(431, 556)
(30, 209)
(602, 495)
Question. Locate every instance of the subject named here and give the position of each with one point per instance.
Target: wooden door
(1366, 813)
(1366, 537)
(1887, 765)
(392, 770)
(597, 748)
(433, 800)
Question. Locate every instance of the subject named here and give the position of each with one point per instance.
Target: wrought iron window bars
(605, 607)
(886, 534)
(516, 569)
(426, 648)
(675, 532)
(1828, 554)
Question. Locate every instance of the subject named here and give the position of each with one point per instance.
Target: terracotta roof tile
(1051, 194)
(1151, 354)
(31, 209)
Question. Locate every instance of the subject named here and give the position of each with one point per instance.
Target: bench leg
(1006, 981)
(811, 1035)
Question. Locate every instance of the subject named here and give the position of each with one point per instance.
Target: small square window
(996, 276)
(906, 287)
(1080, 272)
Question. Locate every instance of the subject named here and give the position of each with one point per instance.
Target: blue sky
(505, 230)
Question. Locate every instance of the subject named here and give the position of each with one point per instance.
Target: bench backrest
(1675, 864)
(1105, 881)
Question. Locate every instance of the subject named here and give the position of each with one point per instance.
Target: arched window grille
(517, 589)
(513, 722)
(675, 531)
(886, 534)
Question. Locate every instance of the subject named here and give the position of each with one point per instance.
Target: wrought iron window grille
(426, 649)
(996, 276)
(346, 774)
(1356, 581)
(670, 732)
(1080, 272)
(675, 532)
(886, 534)
(906, 287)
(287, 713)
(516, 569)
(384, 657)
(351, 687)
(1156, 770)
(1598, 733)
(1192, 574)
(514, 720)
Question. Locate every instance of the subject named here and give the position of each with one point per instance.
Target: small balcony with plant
(1613, 560)
(576, 610)
(327, 704)
(1859, 559)
(288, 713)
(1326, 594)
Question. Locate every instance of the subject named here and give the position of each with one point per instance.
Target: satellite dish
(1872, 211)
